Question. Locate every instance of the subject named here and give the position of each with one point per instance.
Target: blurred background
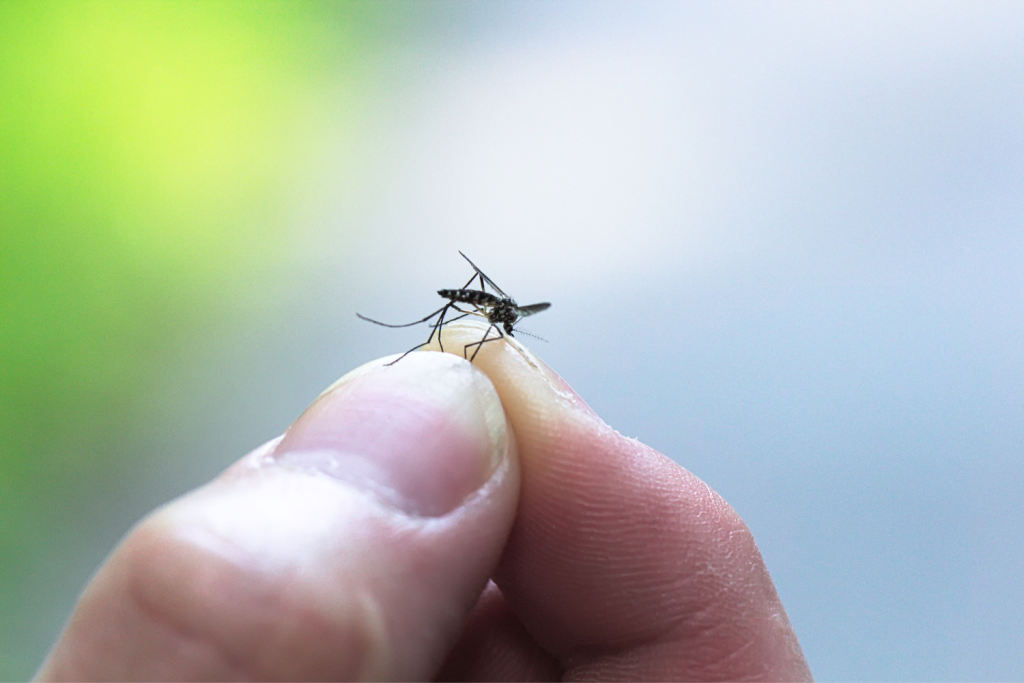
(783, 243)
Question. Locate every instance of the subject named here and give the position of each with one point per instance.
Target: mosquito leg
(377, 322)
(464, 314)
(481, 343)
(465, 349)
(443, 310)
(487, 338)
(477, 275)
(501, 335)
(477, 310)
(441, 322)
(418, 346)
(466, 286)
(437, 327)
(484, 278)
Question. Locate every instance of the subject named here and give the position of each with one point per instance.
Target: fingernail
(562, 388)
(421, 435)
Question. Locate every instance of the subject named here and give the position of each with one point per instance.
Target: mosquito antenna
(520, 330)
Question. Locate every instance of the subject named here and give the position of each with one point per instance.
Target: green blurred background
(148, 154)
(783, 244)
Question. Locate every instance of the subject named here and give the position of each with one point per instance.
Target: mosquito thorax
(505, 312)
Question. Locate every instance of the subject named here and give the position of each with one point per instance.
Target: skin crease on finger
(273, 571)
(621, 564)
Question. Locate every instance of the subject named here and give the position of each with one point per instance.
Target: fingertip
(622, 563)
(539, 403)
(422, 433)
(352, 547)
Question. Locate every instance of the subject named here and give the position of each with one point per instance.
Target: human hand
(361, 543)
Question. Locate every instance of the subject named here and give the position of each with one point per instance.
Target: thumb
(352, 548)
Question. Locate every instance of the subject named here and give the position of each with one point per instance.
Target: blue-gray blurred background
(783, 242)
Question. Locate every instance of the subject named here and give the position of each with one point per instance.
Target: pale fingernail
(561, 387)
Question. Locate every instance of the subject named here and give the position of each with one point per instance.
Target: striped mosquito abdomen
(473, 297)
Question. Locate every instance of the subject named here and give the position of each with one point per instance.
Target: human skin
(438, 519)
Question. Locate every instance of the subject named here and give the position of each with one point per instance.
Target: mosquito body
(499, 309)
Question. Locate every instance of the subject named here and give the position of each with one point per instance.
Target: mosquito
(500, 310)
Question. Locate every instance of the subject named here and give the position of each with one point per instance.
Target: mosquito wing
(524, 311)
(483, 277)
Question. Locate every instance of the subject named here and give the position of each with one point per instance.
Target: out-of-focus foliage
(782, 241)
(145, 151)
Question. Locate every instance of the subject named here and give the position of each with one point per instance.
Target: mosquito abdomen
(469, 296)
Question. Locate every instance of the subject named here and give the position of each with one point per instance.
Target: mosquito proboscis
(498, 308)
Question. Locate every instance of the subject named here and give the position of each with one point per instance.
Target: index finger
(622, 564)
